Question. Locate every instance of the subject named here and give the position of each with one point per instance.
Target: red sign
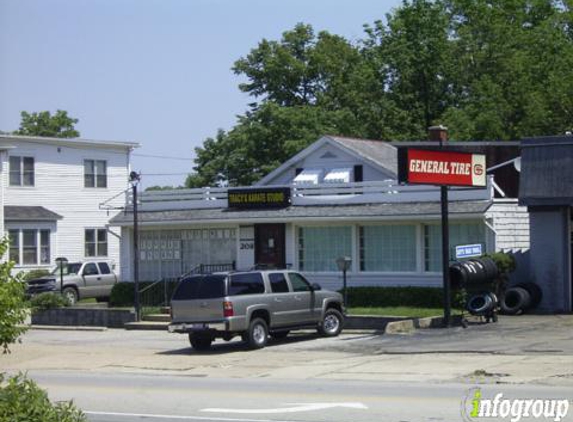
(446, 168)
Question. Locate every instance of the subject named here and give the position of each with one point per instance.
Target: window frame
(96, 243)
(42, 242)
(96, 178)
(21, 172)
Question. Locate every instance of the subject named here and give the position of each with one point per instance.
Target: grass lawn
(403, 311)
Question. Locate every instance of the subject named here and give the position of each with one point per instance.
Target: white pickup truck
(82, 280)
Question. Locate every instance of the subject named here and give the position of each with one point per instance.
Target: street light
(61, 263)
(344, 263)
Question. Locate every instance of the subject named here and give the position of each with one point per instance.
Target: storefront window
(388, 248)
(460, 234)
(318, 247)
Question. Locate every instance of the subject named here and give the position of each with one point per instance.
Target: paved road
(155, 397)
(123, 376)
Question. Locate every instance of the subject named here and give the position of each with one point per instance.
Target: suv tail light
(228, 309)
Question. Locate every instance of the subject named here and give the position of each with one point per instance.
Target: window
(14, 251)
(90, 269)
(200, 287)
(104, 268)
(460, 234)
(95, 174)
(318, 247)
(21, 171)
(96, 242)
(278, 283)
(388, 248)
(246, 284)
(299, 284)
(29, 246)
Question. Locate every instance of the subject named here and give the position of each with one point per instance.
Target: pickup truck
(82, 280)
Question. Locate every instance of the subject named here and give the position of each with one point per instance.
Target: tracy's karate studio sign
(434, 167)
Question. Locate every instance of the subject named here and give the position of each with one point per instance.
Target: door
(92, 279)
(270, 245)
(303, 298)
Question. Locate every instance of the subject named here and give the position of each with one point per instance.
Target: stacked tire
(520, 298)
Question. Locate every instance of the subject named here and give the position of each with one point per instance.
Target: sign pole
(446, 256)
(445, 251)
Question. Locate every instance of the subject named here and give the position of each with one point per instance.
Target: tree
(13, 309)
(59, 125)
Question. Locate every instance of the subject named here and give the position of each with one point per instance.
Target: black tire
(515, 300)
(481, 304)
(534, 291)
(277, 335)
(257, 335)
(71, 294)
(200, 342)
(332, 323)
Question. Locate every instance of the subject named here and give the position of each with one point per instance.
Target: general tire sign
(437, 167)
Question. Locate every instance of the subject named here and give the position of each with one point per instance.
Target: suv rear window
(200, 287)
(246, 284)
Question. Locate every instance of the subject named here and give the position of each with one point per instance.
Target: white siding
(510, 223)
(59, 187)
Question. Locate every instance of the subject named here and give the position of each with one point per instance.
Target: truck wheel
(200, 342)
(71, 295)
(331, 324)
(257, 334)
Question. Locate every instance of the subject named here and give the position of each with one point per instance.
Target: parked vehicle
(82, 280)
(253, 305)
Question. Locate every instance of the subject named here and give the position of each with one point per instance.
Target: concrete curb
(410, 325)
(66, 328)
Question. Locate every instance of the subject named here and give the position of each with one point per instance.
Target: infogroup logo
(475, 407)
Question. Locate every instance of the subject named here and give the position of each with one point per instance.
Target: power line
(164, 157)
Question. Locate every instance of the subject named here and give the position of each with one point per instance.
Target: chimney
(438, 133)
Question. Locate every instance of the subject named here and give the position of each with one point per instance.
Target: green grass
(402, 311)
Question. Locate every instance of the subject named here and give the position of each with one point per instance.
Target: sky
(156, 72)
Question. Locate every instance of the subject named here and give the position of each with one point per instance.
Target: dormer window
(308, 177)
(340, 175)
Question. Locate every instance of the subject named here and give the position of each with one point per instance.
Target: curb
(411, 325)
(66, 328)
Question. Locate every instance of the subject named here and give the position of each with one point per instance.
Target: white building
(51, 196)
(338, 197)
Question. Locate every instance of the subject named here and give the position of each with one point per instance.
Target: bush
(21, 400)
(122, 294)
(420, 297)
(31, 275)
(505, 262)
(48, 300)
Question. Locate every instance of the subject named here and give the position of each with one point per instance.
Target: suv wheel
(71, 295)
(258, 333)
(331, 324)
(200, 342)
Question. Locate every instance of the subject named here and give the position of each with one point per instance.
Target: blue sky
(152, 71)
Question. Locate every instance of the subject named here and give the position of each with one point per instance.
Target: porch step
(146, 325)
(157, 318)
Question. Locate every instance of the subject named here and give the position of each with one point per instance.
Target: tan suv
(253, 305)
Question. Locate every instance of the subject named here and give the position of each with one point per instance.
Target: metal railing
(158, 294)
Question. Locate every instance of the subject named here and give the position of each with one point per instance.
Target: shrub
(48, 300)
(122, 294)
(422, 297)
(31, 275)
(21, 400)
(505, 262)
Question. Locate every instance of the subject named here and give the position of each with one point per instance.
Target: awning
(341, 175)
(308, 177)
(31, 214)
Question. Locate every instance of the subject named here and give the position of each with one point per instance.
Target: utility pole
(134, 179)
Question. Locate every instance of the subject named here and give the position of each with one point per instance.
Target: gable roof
(379, 154)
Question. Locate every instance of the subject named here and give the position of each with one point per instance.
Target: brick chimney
(438, 133)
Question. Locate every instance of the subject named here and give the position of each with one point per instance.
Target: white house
(338, 197)
(56, 195)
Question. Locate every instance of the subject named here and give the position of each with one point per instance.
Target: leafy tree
(13, 309)
(59, 125)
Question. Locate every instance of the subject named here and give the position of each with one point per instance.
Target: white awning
(341, 175)
(308, 177)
